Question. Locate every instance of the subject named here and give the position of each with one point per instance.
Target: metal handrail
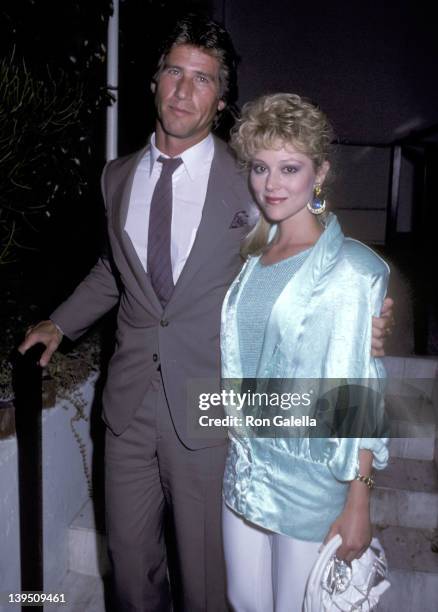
(27, 383)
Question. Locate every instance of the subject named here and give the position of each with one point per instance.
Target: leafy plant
(44, 149)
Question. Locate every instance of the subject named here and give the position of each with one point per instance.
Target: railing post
(27, 381)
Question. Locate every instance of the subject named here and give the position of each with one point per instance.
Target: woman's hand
(382, 327)
(354, 526)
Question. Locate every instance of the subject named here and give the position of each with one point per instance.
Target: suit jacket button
(164, 322)
(155, 357)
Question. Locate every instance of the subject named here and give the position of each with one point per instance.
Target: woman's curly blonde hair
(271, 122)
(274, 120)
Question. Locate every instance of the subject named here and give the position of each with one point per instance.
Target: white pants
(266, 571)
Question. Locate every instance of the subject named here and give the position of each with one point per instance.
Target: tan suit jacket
(184, 337)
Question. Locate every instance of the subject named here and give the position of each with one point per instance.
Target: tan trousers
(163, 511)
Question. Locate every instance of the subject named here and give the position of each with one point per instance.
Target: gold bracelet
(367, 480)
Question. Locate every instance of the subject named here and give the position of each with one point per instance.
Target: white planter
(65, 490)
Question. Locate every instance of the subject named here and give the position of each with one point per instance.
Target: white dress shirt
(189, 187)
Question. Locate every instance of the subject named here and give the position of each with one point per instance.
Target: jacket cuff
(379, 448)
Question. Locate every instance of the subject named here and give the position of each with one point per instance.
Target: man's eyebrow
(167, 65)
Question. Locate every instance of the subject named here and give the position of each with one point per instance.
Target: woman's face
(283, 180)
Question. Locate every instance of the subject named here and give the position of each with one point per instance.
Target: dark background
(370, 66)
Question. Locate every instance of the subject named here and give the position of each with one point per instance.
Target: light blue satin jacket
(319, 328)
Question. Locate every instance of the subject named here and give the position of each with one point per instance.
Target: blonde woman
(301, 308)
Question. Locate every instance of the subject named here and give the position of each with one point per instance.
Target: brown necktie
(159, 264)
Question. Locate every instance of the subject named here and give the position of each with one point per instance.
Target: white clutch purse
(335, 585)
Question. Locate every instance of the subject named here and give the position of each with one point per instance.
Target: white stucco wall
(65, 490)
(9, 519)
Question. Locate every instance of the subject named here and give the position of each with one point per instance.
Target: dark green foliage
(52, 96)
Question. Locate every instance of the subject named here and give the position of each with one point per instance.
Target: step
(413, 570)
(82, 593)
(412, 448)
(412, 396)
(87, 544)
(406, 494)
(413, 425)
(414, 368)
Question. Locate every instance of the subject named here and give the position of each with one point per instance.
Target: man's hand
(381, 328)
(48, 334)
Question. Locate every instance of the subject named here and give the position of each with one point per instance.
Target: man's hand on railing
(45, 332)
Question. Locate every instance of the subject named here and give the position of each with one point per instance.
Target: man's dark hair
(209, 36)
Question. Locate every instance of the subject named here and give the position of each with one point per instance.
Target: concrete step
(406, 494)
(413, 426)
(413, 570)
(412, 402)
(87, 545)
(420, 447)
(421, 369)
(82, 594)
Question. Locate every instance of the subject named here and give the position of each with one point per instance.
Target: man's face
(187, 95)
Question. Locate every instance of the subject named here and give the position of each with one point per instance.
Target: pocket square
(240, 219)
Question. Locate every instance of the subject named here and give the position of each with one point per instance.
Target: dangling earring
(317, 206)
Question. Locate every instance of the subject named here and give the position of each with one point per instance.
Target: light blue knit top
(258, 297)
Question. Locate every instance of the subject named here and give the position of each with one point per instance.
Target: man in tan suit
(162, 485)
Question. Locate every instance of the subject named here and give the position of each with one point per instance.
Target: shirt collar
(193, 158)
